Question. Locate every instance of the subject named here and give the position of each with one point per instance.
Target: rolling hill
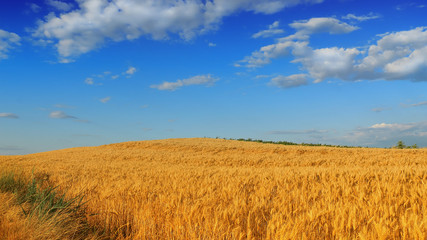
(205, 188)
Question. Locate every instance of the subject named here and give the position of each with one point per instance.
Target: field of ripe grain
(222, 189)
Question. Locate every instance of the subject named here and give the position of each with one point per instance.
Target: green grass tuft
(43, 203)
(38, 199)
(9, 182)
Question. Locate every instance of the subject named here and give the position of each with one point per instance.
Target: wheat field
(205, 188)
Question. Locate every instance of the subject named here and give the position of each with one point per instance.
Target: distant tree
(400, 145)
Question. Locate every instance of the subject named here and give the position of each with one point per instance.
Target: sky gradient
(93, 72)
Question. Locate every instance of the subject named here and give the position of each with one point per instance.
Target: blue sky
(93, 72)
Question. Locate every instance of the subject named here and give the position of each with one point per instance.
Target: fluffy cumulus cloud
(387, 134)
(130, 71)
(272, 30)
(398, 55)
(8, 115)
(8, 40)
(329, 63)
(206, 80)
(395, 56)
(269, 52)
(289, 81)
(296, 44)
(320, 25)
(95, 21)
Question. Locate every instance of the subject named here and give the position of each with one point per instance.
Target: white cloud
(89, 81)
(266, 53)
(63, 115)
(289, 81)
(330, 25)
(329, 63)
(8, 115)
(387, 134)
(66, 60)
(206, 80)
(60, 115)
(399, 55)
(8, 40)
(131, 71)
(97, 79)
(396, 56)
(392, 126)
(272, 30)
(96, 21)
(59, 5)
(105, 100)
(296, 44)
(211, 44)
(376, 135)
(362, 18)
(412, 66)
(409, 5)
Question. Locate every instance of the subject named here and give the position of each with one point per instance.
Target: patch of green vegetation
(9, 182)
(44, 203)
(39, 199)
(401, 145)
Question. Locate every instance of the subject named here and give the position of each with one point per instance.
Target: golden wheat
(222, 189)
